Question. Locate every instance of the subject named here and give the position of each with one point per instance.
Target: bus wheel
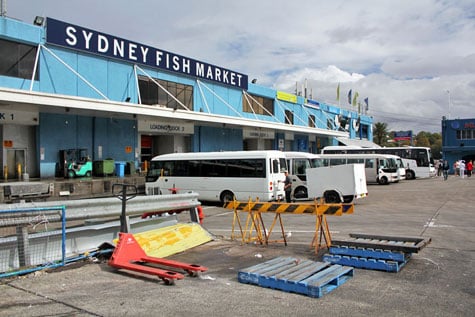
(300, 192)
(410, 175)
(226, 196)
(332, 197)
(383, 180)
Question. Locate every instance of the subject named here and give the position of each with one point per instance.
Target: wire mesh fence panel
(31, 239)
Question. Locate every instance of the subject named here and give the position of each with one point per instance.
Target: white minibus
(219, 176)
(379, 168)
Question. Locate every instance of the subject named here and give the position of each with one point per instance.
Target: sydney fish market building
(64, 86)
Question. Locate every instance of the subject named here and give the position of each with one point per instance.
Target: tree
(380, 133)
(436, 148)
(422, 139)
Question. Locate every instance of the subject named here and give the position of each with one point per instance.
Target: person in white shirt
(462, 168)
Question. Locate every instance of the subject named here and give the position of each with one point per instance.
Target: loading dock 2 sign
(161, 127)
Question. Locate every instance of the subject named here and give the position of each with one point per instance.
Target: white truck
(338, 183)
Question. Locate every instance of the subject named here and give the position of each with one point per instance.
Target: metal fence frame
(26, 213)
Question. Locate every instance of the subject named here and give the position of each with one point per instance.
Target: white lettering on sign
(165, 127)
(79, 38)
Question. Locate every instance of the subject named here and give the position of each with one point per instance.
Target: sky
(413, 59)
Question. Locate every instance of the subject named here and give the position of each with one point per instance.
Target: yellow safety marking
(292, 208)
(170, 240)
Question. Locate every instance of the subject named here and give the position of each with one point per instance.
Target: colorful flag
(349, 97)
(338, 92)
(366, 101)
(355, 99)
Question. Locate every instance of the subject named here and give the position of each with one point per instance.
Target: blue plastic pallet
(288, 274)
(365, 263)
(370, 253)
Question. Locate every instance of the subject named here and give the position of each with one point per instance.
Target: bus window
(275, 167)
(283, 164)
(337, 161)
(299, 168)
(317, 162)
(355, 161)
(369, 163)
(168, 169)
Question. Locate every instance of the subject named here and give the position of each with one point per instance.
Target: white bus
(379, 168)
(421, 155)
(219, 176)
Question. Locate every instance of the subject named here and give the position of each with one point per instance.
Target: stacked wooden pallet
(384, 253)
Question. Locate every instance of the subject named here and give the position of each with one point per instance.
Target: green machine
(77, 163)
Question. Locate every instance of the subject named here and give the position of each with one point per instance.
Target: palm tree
(380, 133)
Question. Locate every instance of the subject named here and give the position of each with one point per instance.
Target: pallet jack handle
(124, 192)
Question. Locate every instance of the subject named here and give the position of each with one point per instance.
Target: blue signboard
(87, 40)
(402, 135)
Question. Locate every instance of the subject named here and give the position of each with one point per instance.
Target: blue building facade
(64, 86)
(458, 140)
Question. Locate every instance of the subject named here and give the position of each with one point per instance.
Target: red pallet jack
(128, 255)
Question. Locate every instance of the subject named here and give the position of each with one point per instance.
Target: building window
(152, 94)
(260, 105)
(465, 134)
(17, 60)
(289, 117)
(364, 130)
(311, 121)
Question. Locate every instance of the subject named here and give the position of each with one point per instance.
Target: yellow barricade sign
(292, 208)
(255, 223)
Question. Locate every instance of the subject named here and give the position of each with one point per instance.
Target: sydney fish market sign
(83, 39)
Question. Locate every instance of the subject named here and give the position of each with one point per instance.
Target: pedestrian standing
(445, 168)
(457, 167)
(287, 187)
(462, 168)
(469, 168)
(438, 166)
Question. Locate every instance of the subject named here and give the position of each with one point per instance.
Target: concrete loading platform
(65, 189)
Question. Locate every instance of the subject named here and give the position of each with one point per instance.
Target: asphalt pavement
(437, 281)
